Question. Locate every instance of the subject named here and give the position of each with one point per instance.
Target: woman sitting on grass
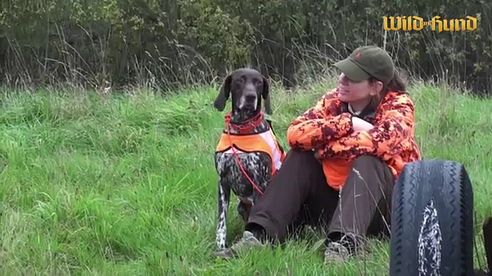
(346, 153)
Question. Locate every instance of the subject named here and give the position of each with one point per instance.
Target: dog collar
(246, 127)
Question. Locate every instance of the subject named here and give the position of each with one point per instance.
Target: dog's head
(248, 87)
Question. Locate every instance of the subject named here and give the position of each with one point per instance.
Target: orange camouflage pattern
(327, 130)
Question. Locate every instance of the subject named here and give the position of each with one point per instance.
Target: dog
(248, 153)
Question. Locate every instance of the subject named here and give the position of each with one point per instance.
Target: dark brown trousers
(299, 195)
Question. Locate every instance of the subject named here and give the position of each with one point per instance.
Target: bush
(168, 43)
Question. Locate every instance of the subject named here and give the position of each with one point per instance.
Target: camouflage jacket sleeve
(319, 124)
(390, 136)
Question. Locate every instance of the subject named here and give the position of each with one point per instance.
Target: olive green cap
(367, 61)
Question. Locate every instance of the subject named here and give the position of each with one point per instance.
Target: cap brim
(352, 70)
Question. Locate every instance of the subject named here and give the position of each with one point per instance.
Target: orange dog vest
(265, 142)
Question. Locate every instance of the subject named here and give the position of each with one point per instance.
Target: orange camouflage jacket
(327, 129)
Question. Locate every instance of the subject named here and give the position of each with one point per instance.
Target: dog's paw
(225, 253)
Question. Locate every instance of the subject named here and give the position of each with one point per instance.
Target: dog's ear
(224, 92)
(266, 96)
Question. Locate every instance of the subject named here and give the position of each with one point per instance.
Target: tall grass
(125, 183)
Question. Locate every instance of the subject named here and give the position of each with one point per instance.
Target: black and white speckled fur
(258, 165)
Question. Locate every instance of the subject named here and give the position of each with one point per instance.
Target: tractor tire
(432, 220)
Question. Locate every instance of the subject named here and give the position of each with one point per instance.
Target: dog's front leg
(223, 205)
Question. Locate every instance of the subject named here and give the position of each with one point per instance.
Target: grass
(125, 184)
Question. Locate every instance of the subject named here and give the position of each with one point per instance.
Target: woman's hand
(360, 125)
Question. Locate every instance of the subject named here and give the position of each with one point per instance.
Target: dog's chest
(257, 165)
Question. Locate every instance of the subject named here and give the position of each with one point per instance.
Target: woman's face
(351, 91)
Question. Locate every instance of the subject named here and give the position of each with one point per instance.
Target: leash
(238, 161)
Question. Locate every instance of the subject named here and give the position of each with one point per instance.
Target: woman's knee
(368, 160)
(295, 155)
(373, 167)
(301, 166)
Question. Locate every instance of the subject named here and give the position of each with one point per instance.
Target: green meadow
(124, 183)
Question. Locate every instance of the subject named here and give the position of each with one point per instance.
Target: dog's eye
(257, 82)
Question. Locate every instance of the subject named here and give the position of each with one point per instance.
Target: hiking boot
(248, 241)
(225, 253)
(336, 252)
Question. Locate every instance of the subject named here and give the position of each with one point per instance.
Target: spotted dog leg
(223, 204)
(246, 203)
